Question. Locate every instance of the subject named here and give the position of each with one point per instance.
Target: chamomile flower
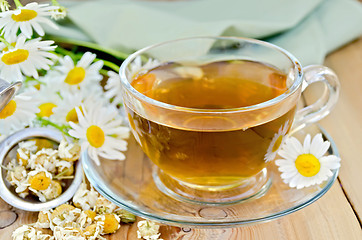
(306, 165)
(25, 58)
(148, 230)
(26, 19)
(276, 142)
(137, 68)
(85, 198)
(65, 112)
(19, 112)
(114, 89)
(4, 5)
(82, 75)
(48, 99)
(59, 13)
(28, 232)
(101, 132)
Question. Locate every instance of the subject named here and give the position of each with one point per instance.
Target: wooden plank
(345, 122)
(329, 218)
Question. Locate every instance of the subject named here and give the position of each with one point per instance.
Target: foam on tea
(209, 158)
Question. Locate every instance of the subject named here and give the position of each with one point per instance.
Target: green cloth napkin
(309, 29)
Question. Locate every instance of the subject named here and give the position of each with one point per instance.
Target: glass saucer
(130, 185)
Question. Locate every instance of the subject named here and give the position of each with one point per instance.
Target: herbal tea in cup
(211, 113)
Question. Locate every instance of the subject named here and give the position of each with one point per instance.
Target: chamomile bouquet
(62, 89)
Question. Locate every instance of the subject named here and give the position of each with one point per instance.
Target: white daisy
(65, 112)
(82, 75)
(276, 142)
(48, 99)
(4, 5)
(25, 58)
(19, 112)
(305, 165)
(101, 132)
(114, 89)
(26, 18)
(59, 13)
(137, 68)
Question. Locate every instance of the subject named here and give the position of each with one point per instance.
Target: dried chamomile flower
(46, 158)
(61, 210)
(125, 216)
(15, 172)
(53, 191)
(94, 231)
(43, 143)
(64, 170)
(86, 218)
(69, 151)
(24, 151)
(104, 206)
(71, 223)
(148, 230)
(67, 217)
(84, 198)
(39, 168)
(26, 232)
(17, 177)
(90, 214)
(67, 233)
(39, 179)
(43, 220)
(110, 222)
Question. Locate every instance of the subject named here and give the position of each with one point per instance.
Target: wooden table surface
(337, 215)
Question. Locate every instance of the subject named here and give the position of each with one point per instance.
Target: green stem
(46, 122)
(30, 79)
(115, 53)
(65, 52)
(109, 64)
(18, 3)
(8, 45)
(103, 72)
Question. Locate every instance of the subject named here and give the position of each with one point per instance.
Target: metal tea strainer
(7, 92)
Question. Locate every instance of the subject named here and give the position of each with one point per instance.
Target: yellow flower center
(25, 15)
(307, 165)
(37, 86)
(43, 143)
(277, 143)
(8, 110)
(15, 57)
(40, 181)
(95, 136)
(72, 115)
(46, 109)
(75, 76)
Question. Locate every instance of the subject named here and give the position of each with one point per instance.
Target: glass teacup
(212, 112)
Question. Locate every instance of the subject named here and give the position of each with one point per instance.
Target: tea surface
(202, 157)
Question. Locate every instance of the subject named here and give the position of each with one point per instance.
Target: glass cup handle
(327, 100)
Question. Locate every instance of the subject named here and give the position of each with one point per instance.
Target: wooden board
(344, 123)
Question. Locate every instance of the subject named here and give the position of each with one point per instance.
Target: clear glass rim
(298, 73)
(94, 178)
